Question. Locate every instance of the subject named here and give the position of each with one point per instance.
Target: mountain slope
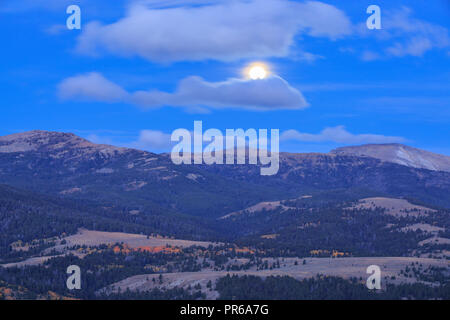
(68, 166)
(304, 173)
(400, 154)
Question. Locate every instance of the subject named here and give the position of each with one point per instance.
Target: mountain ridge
(39, 140)
(42, 140)
(400, 154)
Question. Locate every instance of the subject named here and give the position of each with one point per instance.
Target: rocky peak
(400, 154)
(54, 143)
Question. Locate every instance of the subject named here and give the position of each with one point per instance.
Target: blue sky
(137, 70)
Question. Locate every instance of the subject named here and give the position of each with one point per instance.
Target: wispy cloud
(428, 108)
(404, 36)
(338, 135)
(421, 36)
(412, 86)
(160, 141)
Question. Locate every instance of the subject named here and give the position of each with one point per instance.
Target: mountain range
(146, 188)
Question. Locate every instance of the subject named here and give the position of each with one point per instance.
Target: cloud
(159, 141)
(421, 35)
(100, 139)
(338, 135)
(370, 56)
(427, 108)
(217, 30)
(407, 36)
(149, 140)
(414, 47)
(272, 93)
(152, 140)
(91, 86)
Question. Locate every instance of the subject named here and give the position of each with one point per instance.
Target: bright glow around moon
(256, 71)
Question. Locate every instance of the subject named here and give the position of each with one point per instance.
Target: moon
(256, 71)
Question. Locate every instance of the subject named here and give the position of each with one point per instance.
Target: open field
(90, 238)
(96, 238)
(265, 205)
(434, 240)
(395, 207)
(342, 267)
(424, 227)
(28, 262)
